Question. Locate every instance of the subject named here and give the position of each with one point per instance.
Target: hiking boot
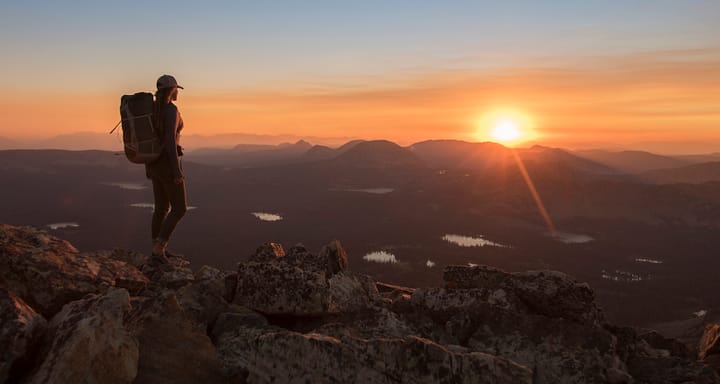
(160, 258)
(158, 251)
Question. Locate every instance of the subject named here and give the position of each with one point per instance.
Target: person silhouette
(166, 172)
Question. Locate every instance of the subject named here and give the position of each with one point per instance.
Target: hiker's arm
(170, 142)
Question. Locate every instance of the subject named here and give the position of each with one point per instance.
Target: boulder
(20, 330)
(281, 288)
(89, 343)
(300, 283)
(267, 253)
(172, 275)
(171, 348)
(548, 293)
(334, 254)
(48, 273)
(203, 299)
(351, 293)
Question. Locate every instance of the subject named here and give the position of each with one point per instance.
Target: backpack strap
(116, 125)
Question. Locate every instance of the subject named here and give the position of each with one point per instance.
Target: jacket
(168, 166)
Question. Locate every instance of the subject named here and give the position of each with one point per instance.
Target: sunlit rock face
(48, 272)
(286, 316)
(710, 346)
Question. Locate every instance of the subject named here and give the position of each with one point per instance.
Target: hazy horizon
(643, 75)
(103, 141)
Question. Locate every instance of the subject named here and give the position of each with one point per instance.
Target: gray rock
(177, 277)
(282, 288)
(207, 272)
(262, 355)
(90, 343)
(172, 349)
(203, 299)
(351, 293)
(548, 293)
(299, 283)
(267, 253)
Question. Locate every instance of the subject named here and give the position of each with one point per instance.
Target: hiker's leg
(162, 207)
(178, 202)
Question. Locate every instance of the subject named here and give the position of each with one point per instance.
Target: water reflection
(622, 276)
(381, 257)
(129, 186)
(143, 205)
(572, 238)
(375, 191)
(264, 216)
(55, 226)
(649, 261)
(467, 241)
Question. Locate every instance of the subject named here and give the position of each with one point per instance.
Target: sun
(507, 126)
(506, 131)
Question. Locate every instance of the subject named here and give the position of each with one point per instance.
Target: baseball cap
(167, 81)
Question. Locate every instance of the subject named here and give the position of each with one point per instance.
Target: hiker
(166, 172)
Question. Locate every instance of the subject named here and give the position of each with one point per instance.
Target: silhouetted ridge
(378, 153)
(632, 161)
(458, 154)
(562, 159)
(693, 174)
(320, 152)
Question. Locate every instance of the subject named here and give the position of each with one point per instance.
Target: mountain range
(645, 243)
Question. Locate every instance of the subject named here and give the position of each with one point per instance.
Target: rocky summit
(294, 316)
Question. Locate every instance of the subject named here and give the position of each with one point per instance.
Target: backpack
(142, 133)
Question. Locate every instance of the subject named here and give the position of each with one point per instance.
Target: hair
(163, 97)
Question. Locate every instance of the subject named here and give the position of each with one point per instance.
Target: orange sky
(669, 97)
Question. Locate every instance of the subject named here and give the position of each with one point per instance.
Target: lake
(264, 216)
(55, 226)
(375, 191)
(469, 241)
(128, 186)
(572, 238)
(381, 257)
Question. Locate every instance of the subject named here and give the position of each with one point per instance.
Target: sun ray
(536, 196)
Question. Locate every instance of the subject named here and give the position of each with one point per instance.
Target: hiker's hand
(179, 180)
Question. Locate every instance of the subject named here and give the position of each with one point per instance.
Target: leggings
(167, 194)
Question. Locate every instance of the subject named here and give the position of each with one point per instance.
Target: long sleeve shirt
(168, 165)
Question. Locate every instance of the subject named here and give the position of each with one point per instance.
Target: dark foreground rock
(296, 317)
(20, 331)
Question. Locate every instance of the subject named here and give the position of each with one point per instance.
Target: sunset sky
(578, 74)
